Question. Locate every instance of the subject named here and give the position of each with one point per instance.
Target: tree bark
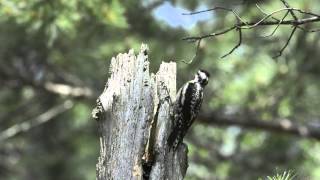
(134, 121)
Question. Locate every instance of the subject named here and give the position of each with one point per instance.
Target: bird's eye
(205, 82)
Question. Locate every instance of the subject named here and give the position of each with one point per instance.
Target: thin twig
(236, 46)
(286, 4)
(209, 35)
(275, 29)
(265, 18)
(262, 22)
(265, 13)
(265, 23)
(287, 43)
(218, 8)
(195, 55)
(305, 12)
(295, 22)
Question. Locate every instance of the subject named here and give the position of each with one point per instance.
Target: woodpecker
(186, 107)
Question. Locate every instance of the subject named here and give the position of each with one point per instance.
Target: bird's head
(202, 76)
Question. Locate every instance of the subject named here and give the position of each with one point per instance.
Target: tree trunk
(134, 118)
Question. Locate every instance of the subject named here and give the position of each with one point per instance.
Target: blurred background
(54, 57)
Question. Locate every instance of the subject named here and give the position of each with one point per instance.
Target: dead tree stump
(134, 120)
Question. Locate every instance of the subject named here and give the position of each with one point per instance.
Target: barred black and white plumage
(187, 107)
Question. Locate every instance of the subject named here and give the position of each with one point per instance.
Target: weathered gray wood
(167, 164)
(134, 121)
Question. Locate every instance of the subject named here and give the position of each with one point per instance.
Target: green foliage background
(72, 42)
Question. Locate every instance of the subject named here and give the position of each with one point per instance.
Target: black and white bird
(187, 106)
